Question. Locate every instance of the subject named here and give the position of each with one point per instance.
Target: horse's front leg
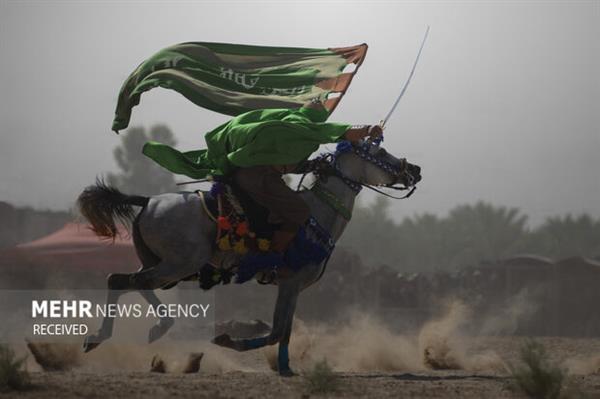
(282, 325)
(283, 316)
(283, 357)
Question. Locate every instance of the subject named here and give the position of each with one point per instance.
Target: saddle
(243, 229)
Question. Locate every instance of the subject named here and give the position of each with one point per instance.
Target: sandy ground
(225, 374)
(260, 385)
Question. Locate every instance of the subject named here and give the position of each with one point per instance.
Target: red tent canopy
(75, 246)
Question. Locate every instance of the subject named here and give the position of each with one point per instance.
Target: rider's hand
(355, 134)
(375, 131)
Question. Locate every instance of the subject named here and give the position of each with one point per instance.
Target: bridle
(328, 164)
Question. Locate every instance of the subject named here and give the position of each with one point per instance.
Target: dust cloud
(366, 343)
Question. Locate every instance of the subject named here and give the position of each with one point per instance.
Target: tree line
(468, 235)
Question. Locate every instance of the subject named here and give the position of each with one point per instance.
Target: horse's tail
(102, 205)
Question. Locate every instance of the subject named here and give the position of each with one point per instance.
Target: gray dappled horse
(174, 236)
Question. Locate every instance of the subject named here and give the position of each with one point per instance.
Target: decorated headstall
(365, 150)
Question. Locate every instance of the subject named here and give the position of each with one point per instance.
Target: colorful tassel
(223, 223)
(242, 229)
(263, 244)
(224, 244)
(240, 247)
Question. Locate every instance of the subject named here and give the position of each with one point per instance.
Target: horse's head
(367, 163)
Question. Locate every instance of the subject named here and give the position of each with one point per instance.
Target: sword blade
(412, 72)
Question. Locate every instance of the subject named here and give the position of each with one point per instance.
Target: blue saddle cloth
(312, 244)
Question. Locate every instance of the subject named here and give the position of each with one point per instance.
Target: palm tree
(561, 237)
(482, 231)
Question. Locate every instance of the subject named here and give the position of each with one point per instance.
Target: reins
(412, 190)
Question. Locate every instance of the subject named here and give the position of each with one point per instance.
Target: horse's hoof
(160, 329)
(287, 373)
(91, 342)
(223, 340)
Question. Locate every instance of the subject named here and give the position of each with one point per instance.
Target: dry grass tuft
(12, 374)
(321, 379)
(540, 378)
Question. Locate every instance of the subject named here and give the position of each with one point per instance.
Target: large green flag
(232, 79)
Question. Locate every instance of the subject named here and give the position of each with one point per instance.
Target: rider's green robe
(260, 137)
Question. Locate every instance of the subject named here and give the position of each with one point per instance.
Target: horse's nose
(416, 173)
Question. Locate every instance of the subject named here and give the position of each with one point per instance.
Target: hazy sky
(504, 106)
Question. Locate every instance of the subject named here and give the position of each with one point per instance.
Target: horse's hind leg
(145, 281)
(118, 284)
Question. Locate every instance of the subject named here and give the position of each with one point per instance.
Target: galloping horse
(173, 235)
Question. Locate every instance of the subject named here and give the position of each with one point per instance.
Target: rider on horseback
(255, 149)
(265, 185)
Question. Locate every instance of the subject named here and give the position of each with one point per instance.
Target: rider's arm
(357, 133)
